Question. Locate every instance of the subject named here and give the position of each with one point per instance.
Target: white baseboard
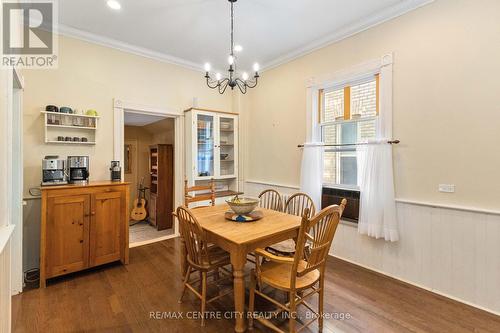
(437, 292)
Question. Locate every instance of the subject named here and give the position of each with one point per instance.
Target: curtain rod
(391, 142)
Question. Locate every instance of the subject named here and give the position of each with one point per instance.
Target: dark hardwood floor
(122, 298)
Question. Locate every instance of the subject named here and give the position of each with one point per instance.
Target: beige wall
(91, 76)
(446, 103)
(162, 131)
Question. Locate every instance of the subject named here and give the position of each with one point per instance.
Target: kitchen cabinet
(83, 226)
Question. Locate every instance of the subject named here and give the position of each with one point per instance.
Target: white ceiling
(139, 119)
(192, 32)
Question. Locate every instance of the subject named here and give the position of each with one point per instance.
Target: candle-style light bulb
(230, 60)
(218, 76)
(256, 67)
(207, 67)
(238, 48)
(244, 76)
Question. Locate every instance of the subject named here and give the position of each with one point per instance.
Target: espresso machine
(78, 169)
(53, 171)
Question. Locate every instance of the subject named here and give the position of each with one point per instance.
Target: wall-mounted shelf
(72, 127)
(59, 124)
(88, 143)
(71, 114)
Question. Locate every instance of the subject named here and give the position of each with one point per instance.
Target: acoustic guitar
(139, 212)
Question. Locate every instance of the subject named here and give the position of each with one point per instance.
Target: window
(347, 115)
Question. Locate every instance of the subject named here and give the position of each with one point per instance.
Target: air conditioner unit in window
(333, 196)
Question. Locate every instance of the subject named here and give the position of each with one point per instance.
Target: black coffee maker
(116, 171)
(78, 169)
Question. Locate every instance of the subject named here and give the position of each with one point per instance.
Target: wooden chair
(297, 204)
(301, 276)
(271, 199)
(201, 257)
(209, 195)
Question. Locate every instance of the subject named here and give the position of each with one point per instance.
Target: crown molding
(68, 31)
(348, 31)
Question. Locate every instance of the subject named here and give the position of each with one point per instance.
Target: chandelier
(232, 80)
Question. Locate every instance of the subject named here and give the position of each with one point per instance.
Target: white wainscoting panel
(452, 252)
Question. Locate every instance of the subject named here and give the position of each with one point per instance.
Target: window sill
(342, 187)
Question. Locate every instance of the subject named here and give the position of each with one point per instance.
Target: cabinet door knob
(81, 240)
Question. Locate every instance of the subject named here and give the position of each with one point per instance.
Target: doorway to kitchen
(149, 142)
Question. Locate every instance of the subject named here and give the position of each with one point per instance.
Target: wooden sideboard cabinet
(83, 226)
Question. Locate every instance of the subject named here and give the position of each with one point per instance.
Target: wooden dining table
(239, 239)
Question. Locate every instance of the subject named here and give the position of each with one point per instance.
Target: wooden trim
(87, 185)
(377, 98)
(209, 110)
(445, 206)
(347, 103)
(321, 96)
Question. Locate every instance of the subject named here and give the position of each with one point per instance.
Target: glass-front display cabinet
(212, 149)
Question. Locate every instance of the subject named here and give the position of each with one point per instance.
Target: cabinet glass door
(205, 145)
(226, 143)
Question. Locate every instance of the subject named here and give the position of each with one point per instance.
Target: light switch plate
(447, 188)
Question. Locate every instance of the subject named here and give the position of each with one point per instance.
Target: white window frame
(357, 73)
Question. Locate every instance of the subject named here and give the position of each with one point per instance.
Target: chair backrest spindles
(297, 204)
(194, 238)
(317, 232)
(271, 199)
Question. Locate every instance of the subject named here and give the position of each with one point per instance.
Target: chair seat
(218, 258)
(278, 275)
(286, 247)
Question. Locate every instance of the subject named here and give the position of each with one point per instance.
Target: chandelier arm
(210, 83)
(241, 85)
(253, 83)
(223, 85)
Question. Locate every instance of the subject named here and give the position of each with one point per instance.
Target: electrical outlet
(447, 188)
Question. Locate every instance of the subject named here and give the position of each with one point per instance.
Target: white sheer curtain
(377, 213)
(311, 172)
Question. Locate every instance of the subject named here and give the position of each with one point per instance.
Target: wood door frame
(120, 107)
